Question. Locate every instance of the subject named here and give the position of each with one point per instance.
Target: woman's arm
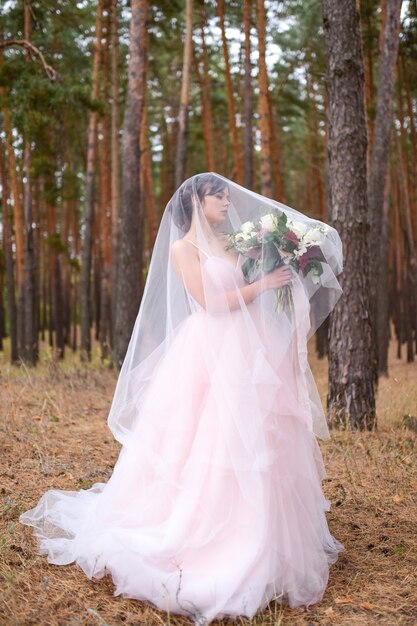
(187, 265)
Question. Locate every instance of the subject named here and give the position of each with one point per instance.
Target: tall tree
(248, 98)
(203, 75)
(129, 281)
(351, 398)
(115, 164)
(237, 155)
(185, 95)
(8, 255)
(263, 105)
(378, 175)
(85, 295)
(104, 154)
(30, 342)
(18, 218)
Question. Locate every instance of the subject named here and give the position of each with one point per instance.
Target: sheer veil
(214, 506)
(266, 343)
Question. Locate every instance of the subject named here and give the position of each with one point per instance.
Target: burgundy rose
(312, 253)
(291, 236)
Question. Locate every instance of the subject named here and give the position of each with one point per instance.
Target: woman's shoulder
(183, 247)
(184, 255)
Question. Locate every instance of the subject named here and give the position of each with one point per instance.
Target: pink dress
(215, 504)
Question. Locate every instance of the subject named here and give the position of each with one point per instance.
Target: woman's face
(216, 206)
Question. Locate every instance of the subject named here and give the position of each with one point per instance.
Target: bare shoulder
(184, 256)
(182, 247)
(183, 253)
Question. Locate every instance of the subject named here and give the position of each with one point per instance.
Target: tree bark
(146, 185)
(54, 269)
(368, 8)
(276, 162)
(351, 398)
(30, 342)
(413, 141)
(85, 287)
(105, 207)
(263, 105)
(379, 164)
(8, 253)
(237, 157)
(248, 99)
(317, 151)
(115, 162)
(129, 283)
(205, 88)
(383, 308)
(181, 156)
(18, 218)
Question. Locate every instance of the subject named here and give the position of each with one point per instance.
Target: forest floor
(54, 435)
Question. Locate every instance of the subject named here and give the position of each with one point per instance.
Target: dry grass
(54, 435)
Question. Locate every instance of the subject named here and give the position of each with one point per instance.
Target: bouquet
(277, 240)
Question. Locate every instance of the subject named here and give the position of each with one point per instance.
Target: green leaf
(271, 257)
(282, 221)
(313, 266)
(250, 270)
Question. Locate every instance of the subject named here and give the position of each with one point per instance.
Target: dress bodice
(223, 272)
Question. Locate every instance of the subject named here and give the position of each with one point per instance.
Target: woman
(215, 504)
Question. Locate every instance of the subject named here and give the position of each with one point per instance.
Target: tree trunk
(166, 176)
(181, 156)
(403, 81)
(383, 307)
(276, 162)
(30, 343)
(263, 105)
(205, 88)
(237, 157)
(351, 398)
(149, 208)
(379, 164)
(410, 261)
(248, 99)
(85, 291)
(368, 36)
(18, 218)
(413, 140)
(105, 206)
(129, 283)
(55, 282)
(2, 308)
(317, 151)
(115, 165)
(8, 253)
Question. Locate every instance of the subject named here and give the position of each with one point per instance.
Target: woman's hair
(181, 205)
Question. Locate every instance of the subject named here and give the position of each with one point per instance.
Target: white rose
(246, 236)
(267, 221)
(313, 236)
(247, 227)
(315, 276)
(298, 228)
(299, 253)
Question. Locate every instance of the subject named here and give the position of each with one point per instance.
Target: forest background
(98, 126)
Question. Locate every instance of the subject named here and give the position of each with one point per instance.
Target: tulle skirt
(215, 505)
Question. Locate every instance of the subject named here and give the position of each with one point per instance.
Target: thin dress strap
(195, 246)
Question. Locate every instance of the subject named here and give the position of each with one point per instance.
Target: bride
(215, 505)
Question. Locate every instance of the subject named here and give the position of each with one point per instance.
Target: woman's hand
(277, 278)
